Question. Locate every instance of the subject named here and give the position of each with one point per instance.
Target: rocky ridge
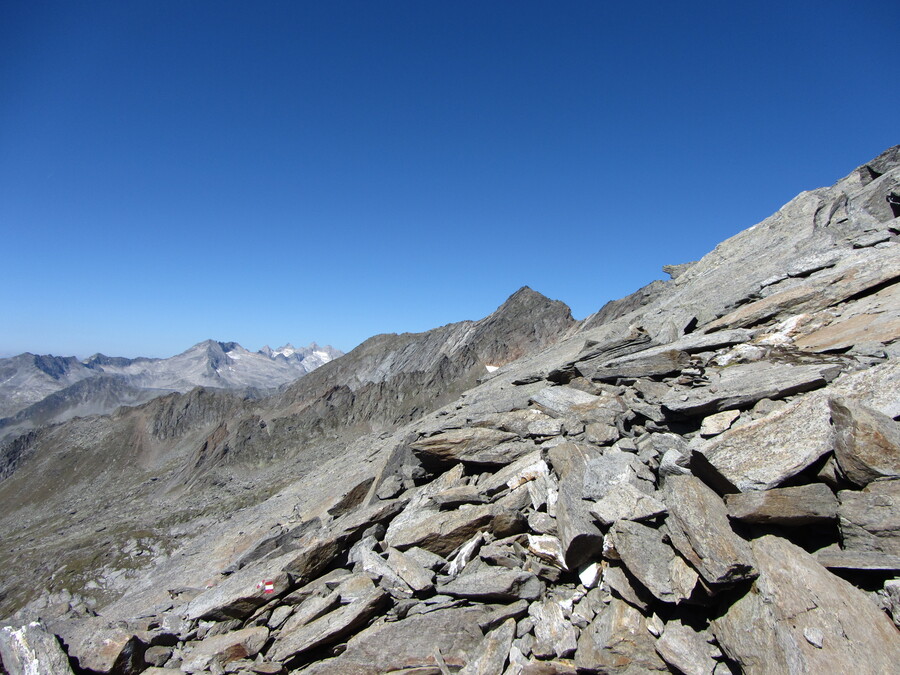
(39, 390)
(704, 478)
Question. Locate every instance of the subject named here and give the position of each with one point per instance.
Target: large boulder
(800, 618)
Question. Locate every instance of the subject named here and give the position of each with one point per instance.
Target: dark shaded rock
(867, 442)
(581, 539)
(699, 529)
(802, 505)
(800, 618)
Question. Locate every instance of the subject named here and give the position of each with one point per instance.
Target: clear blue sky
(267, 172)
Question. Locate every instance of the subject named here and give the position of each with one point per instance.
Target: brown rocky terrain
(703, 477)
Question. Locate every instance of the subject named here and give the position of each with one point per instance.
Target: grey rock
(801, 505)
(279, 615)
(456, 496)
(472, 445)
(699, 529)
(742, 385)
(626, 502)
(440, 532)
(445, 636)
(101, 647)
(494, 583)
(554, 634)
(410, 570)
(31, 650)
(764, 630)
(870, 519)
(612, 468)
(653, 562)
(715, 424)
(766, 452)
(834, 558)
(501, 614)
(617, 641)
(615, 579)
(601, 434)
(867, 442)
(685, 649)
(222, 649)
(239, 594)
(490, 656)
(580, 537)
(333, 626)
(643, 364)
(376, 567)
(564, 401)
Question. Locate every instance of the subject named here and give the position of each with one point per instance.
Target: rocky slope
(702, 478)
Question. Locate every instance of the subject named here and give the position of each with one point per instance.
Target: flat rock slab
(800, 618)
(563, 401)
(414, 642)
(440, 532)
(644, 364)
(834, 558)
(763, 454)
(493, 583)
(470, 444)
(225, 648)
(867, 442)
(743, 385)
(716, 423)
(32, 650)
(238, 595)
(802, 505)
(652, 561)
(699, 528)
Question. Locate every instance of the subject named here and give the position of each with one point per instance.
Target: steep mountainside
(701, 478)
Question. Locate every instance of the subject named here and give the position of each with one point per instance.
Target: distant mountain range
(42, 389)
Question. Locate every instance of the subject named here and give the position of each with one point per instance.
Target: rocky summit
(703, 477)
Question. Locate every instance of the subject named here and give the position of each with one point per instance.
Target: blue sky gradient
(294, 171)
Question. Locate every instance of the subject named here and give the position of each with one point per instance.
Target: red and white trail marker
(266, 586)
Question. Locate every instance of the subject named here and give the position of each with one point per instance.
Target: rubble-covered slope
(704, 480)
